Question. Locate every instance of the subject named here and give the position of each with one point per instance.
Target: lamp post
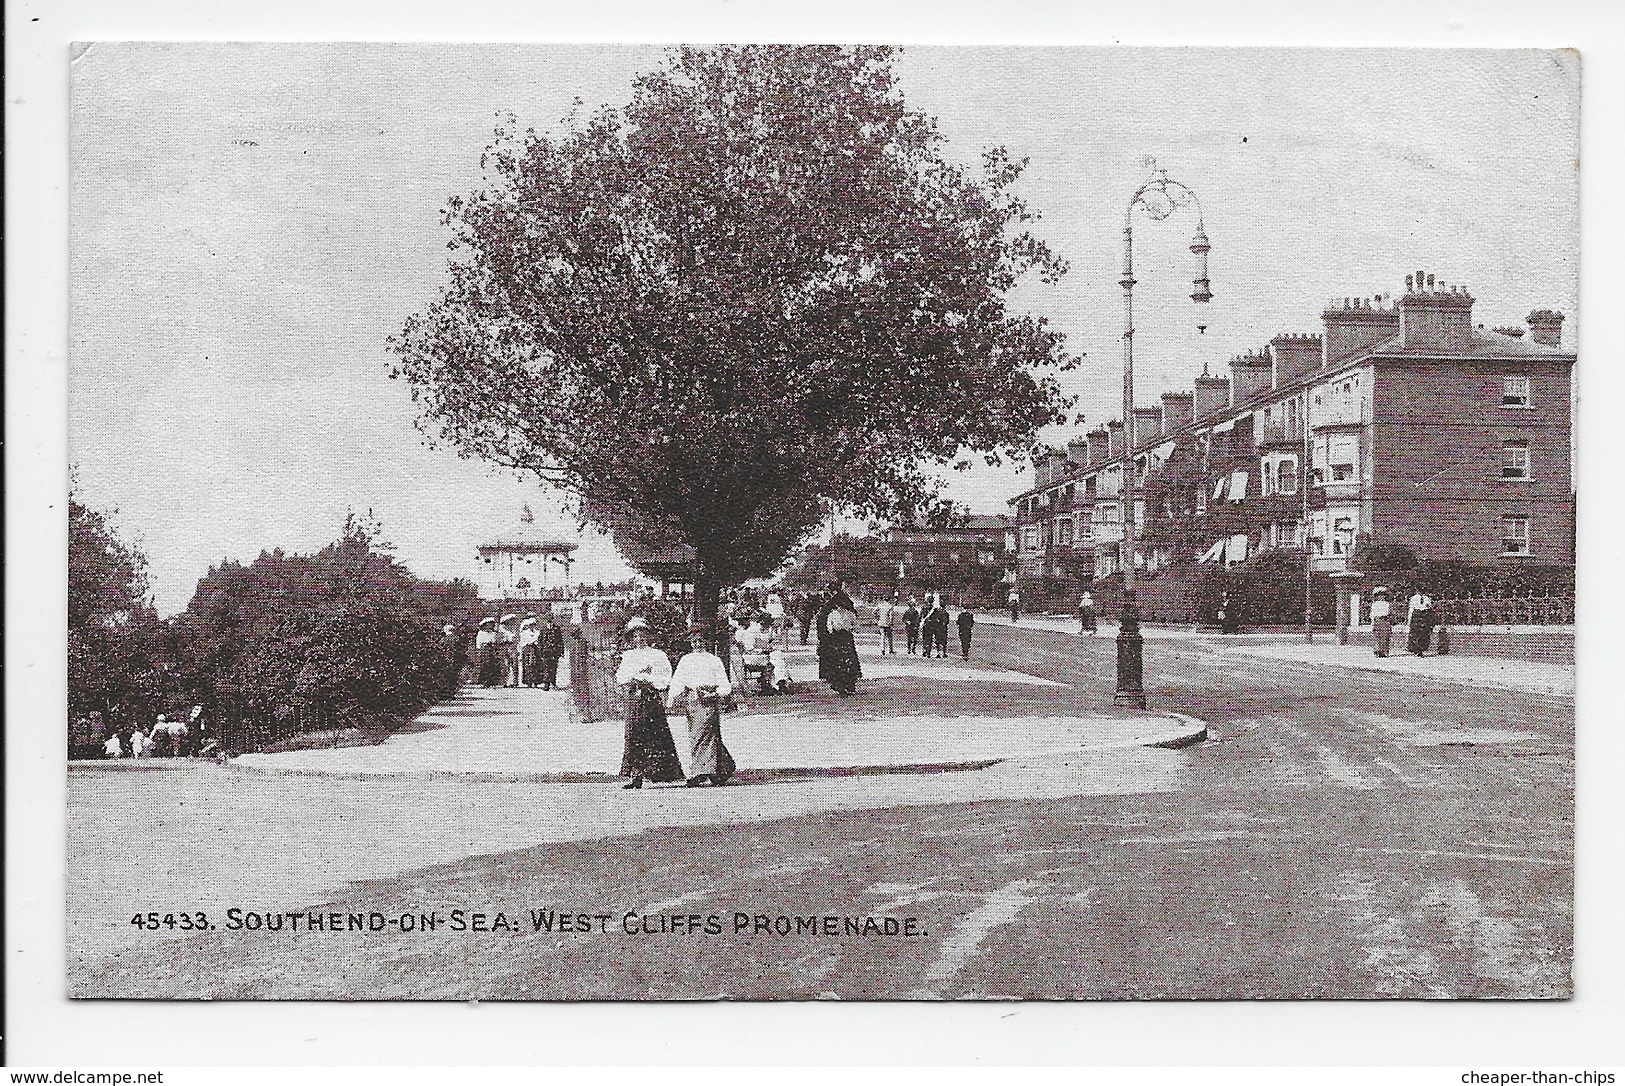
(1159, 198)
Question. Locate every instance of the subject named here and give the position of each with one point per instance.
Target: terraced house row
(1403, 423)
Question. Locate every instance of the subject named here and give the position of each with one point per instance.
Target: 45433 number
(173, 921)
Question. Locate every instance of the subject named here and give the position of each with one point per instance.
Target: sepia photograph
(820, 522)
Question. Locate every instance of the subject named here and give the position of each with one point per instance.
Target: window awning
(1236, 552)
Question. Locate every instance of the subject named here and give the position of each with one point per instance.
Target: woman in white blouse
(701, 683)
(1382, 621)
(645, 675)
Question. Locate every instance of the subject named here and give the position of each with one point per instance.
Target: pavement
(912, 712)
(1480, 670)
(1496, 672)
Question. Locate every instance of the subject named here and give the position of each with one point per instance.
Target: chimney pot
(1147, 425)
(1437, 319)
(1295, 356)
(1546, 327)
(1099, 445)
(1349, 331)
(1249, 376)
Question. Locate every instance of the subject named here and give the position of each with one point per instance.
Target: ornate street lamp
(1159, 197)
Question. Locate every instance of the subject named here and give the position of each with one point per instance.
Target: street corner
(1181, 731)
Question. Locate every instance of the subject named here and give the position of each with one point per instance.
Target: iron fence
(594, 649)
(240, 726)
(1507, 611)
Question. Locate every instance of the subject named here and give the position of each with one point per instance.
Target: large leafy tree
(757, 290)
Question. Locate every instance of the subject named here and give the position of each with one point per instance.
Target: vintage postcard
(769, 522)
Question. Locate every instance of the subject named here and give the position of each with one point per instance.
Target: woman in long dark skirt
(485, 647)
(837, 647)
(644, 675)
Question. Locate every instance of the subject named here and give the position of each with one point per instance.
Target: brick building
(979, 543)
(1402, 423)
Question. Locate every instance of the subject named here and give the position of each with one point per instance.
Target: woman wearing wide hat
(485, 647)
(645, 676)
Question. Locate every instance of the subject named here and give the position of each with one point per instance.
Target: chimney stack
(1437, 318)
(1546, 327)
(1114, 439)
(1353, 324)
(1212, 395)
(1178, 411)
(1249, 376)
(1147, 425)
(1295, 356)
(1099, 446)
(1077, 452)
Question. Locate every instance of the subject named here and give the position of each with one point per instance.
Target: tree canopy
(757, 290)
(110, 617)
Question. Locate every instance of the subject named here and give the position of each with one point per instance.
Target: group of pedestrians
(519, 650)
(165, 738)
(1421, 620)
(925, 626)
(701, 684)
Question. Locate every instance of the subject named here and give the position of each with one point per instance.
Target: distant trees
(757, 291)
(869, 566)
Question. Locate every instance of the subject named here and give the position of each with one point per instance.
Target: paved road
(1344, 834)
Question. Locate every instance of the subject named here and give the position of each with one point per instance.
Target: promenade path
(912, 712)
(496, 770)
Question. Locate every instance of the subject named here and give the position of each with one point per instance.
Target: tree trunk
(707, 598)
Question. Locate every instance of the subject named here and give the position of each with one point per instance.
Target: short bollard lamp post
(1130, 656)
(1159, 197)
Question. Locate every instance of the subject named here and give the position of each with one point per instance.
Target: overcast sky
(250, 222)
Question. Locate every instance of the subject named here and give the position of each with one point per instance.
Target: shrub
(341, 638)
